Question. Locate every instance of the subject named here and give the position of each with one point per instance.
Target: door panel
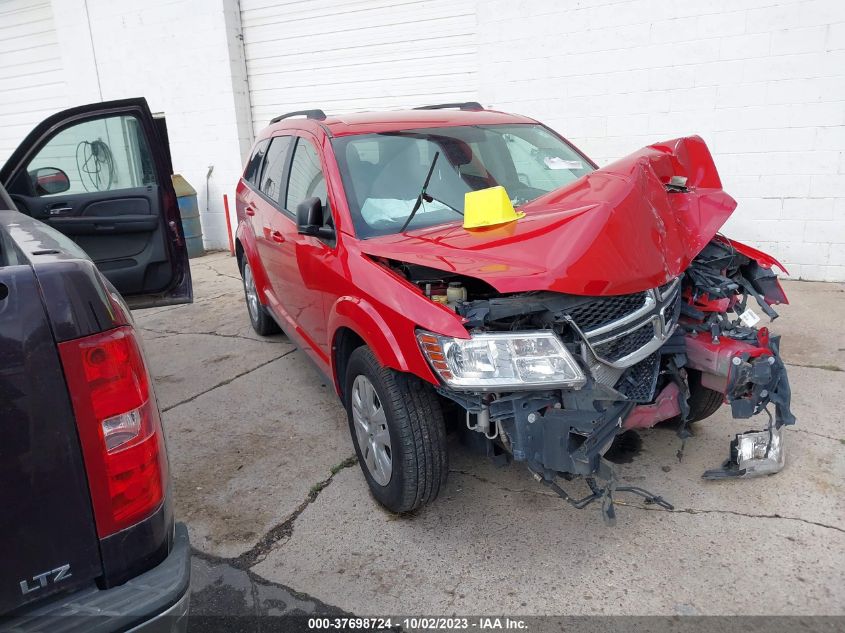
(304, 279)
(270, 240)
(121, 233)
(101, 175)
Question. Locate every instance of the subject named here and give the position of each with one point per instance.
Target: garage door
(343, 56)
(32, 84)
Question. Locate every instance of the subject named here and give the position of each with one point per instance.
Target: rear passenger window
(274, 167)
(254, 164)
(306, 176)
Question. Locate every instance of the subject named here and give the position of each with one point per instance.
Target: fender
(386, 342)
(246, 238)
(764, 259)
(770, 288)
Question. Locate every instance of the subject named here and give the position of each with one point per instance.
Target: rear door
(100, 174)
(270, 242)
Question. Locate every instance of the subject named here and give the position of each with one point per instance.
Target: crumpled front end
(675, 352)
(652, 317)
(732, 356)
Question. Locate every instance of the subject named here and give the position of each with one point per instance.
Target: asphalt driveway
(282, 521)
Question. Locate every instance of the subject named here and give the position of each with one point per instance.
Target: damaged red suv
(457, 263)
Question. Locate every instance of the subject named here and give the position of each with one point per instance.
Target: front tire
(259, 317)
(703, 402)
(397, 428)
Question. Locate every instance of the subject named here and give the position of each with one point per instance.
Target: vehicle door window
(106, 154)
(273, 172)
(254, 164)
(306, 179)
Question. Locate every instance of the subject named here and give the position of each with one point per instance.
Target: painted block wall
(763, 81)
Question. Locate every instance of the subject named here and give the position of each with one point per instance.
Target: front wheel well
(346, 341)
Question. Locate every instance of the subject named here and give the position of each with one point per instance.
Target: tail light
(119, 427)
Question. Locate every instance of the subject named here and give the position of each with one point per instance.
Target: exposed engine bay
(675, 352)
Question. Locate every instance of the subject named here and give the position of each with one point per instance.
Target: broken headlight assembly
(753, 454)
(501, 361)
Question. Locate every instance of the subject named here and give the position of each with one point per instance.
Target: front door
(100, 174)
(307, 281)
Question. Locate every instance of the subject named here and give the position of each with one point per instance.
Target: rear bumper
(153, 602)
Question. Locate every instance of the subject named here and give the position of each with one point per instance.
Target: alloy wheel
(370, 422)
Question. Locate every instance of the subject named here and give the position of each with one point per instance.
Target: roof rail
(466, 105)
(311, 114)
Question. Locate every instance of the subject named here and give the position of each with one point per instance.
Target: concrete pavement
(259, 450)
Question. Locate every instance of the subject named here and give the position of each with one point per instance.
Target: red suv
(457, 263)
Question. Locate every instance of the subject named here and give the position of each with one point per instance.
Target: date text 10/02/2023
(418, 623)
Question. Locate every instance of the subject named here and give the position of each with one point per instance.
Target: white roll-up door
(343, 56)
(32, 82)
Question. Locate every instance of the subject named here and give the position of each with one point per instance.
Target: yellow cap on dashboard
(488, 207)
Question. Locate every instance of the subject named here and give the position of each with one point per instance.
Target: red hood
(614, 231)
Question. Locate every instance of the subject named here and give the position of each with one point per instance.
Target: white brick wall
(342, 55)
(185, 57)
(763, 81)
(32, 84)
(179, 55)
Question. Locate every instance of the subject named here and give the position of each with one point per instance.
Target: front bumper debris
(753, 454)
(603, 488)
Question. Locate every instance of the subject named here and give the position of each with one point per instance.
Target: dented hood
(616, 230)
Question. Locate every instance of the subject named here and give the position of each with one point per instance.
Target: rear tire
(259, 317)
(381, 404)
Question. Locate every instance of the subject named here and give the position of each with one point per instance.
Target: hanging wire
(95, 164)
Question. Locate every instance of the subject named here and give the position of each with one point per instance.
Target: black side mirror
(309, 219)
(49, 180)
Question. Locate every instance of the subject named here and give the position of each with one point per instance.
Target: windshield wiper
(422, 195)
(429, 198)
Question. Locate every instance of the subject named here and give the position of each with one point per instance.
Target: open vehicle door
(100, 174)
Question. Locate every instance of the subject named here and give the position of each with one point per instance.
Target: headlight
(501, 360)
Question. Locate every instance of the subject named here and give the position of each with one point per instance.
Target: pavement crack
(226, 382)
(284, 530)
(165, 333)
(524, 491)
(814, 366)
(827, 437)
(217, 272)
(211, 598)
(748, 515)
(246, 338)
(657, 509)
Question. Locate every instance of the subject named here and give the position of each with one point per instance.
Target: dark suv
(87, 528)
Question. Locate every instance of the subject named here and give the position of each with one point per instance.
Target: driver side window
(105, 154)
(306, 179)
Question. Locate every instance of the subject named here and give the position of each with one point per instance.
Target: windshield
(384, 173)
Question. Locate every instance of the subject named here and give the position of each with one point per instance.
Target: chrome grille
(622, 331)
(605, 310)
(626, 345)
